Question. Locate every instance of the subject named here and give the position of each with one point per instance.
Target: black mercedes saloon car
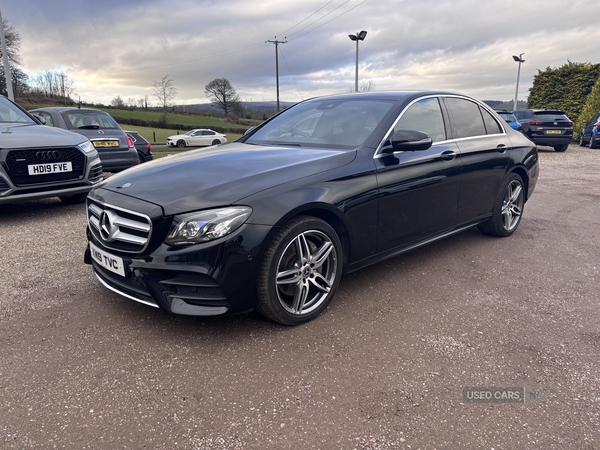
(272, 221)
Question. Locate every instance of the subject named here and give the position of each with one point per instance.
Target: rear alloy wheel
(593, 143)
(508, 208)
(300, 272)
(561, 148)
(216, 142)
(180, 143)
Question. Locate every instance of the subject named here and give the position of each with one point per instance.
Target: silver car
(116, 151)
(40, 162)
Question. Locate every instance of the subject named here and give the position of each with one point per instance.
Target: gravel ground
(384, 368)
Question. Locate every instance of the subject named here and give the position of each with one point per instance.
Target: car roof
(68, 108)
(551, 111)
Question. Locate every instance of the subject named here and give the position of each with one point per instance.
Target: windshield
(10, 113)
(323, 123)
(80, 119)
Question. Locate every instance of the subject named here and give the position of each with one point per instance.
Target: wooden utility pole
(276, 42)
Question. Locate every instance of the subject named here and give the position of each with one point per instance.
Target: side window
(425, 116)
(47, 117)
(491, 125)
(467, 120)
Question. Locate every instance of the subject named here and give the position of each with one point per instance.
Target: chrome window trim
(378, 153)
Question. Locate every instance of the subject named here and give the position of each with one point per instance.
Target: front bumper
(208, 279)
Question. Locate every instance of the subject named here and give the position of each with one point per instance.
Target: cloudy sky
(118, 47)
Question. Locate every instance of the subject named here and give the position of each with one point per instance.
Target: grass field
(160, 135)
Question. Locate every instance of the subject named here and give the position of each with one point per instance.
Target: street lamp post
(520, 60)
(357, 37)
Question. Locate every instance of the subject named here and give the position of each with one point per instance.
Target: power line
(320, 18)
(293, 79)
(306, 18)
(340, 15)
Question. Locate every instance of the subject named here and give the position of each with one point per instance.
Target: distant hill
(254, 106)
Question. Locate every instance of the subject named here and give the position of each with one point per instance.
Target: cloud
(120, 48)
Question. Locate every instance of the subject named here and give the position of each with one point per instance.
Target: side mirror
(249, 130)
(40, 119)
(408, 140)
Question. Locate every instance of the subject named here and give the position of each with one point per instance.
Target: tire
(592, 143)
(216, 142)
(180, 143)
(581, 141)
(292, 289)
(508, 208)
(73, 199)
(141, 157)
(561, 148)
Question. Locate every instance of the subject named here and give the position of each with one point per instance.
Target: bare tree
(221, 92)
(165, 93)
(13, 43)
(13, 46)
(364, 86)
(53, 84)
(117, 102)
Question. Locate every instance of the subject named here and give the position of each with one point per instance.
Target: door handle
(501, 148)
(448, 155)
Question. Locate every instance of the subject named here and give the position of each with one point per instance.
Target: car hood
(222, 175)
(33, 135)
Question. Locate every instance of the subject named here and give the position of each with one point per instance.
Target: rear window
(550, 116)
(89, 120)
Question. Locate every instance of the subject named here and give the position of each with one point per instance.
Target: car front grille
(18, 160)
(117, 228)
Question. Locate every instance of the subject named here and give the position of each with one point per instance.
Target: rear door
(485, 152)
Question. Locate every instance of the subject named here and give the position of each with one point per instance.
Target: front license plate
(42, 169)
(108, 261)
(553, 132)
(105, 143)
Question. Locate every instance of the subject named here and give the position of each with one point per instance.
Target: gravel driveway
(385, 367)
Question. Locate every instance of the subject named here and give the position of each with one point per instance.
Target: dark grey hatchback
(116, 151)
(272, 221)
(546, 127)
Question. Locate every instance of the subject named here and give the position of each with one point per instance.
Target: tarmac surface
(473, 342)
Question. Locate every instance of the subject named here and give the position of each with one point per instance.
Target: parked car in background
(590, 135)
(116, 151)
(197, 138)
(142, 146)
(273, 220)
(39, 162)
(510, 119)
(549, 127)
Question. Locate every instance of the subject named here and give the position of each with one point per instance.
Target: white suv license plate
(108, 261)
(43, 169)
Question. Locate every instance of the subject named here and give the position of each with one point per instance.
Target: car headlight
(87, 147)
(207, 225)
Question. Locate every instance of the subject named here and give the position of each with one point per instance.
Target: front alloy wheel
(180, 143)
(508, 208)
(301, 271)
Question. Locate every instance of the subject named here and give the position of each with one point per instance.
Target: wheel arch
(327, 213)
(522, 172)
